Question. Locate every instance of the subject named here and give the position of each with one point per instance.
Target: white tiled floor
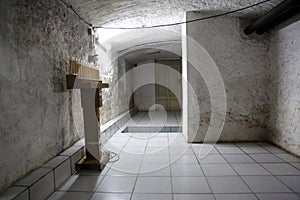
(163, 166)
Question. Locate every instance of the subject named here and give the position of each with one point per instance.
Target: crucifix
(86, 78)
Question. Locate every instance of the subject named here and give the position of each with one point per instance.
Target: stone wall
(242, 62)
(116, 98)
(38, 114)
(284, 55)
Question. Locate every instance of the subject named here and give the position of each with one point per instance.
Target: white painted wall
(184, 105)
(144, 97)
(157, 72)
(242, 63)
(284, 55)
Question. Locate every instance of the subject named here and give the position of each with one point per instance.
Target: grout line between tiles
(138, 170)
(275, 176)
(238, 173)
(213, 194)
(292, 191)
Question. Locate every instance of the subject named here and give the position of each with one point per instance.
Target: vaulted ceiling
(149, 12)
(130, 13)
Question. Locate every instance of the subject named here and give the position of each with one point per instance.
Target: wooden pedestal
(91, 101)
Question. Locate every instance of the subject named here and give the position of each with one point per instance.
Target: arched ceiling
(150, 12)
(164, 50)
(131, 13)
(125, 40)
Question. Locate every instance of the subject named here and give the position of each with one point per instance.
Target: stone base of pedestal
(93, 164)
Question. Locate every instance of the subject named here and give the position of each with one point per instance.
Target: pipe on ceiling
(282, 12)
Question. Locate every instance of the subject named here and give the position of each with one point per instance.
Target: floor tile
(281, 169)
(156, 159)
(128, 158)
(124, 170)
(204, 149)
(253, 149)
(183, 159)
(156, 150)
(133, 150)
(139, 135)
(155, 135)
(70, 196)
(13, 192)
(133, 142)
(122, 184)
(158, 142)
(227, 185)
(193, 197)
(211, 159)
(81, 183)
(217, 170)
(246, 144)
(155, 170)
(273, 149)
(264, 143)
(250, 169)
(181, 150)
(266, 158)
(153, 185)
(113, 148)
(278, 197)
(265, 184)
(225, 144)
(109, 196)
(144, 170)
(229, 150)
(238, 158)
(177, 141)
(292, 182)
(92, 172)
(288, 157)
(186, 170)
(297, 165)
(152, 197)
(190, 185)
(235, 197)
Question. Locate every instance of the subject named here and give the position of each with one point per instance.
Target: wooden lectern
(86, 79)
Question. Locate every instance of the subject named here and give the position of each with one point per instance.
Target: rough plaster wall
(108, 73)
(284, 55)
(243, 65)
(37, 39)
(125, 85)
(116, 99)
